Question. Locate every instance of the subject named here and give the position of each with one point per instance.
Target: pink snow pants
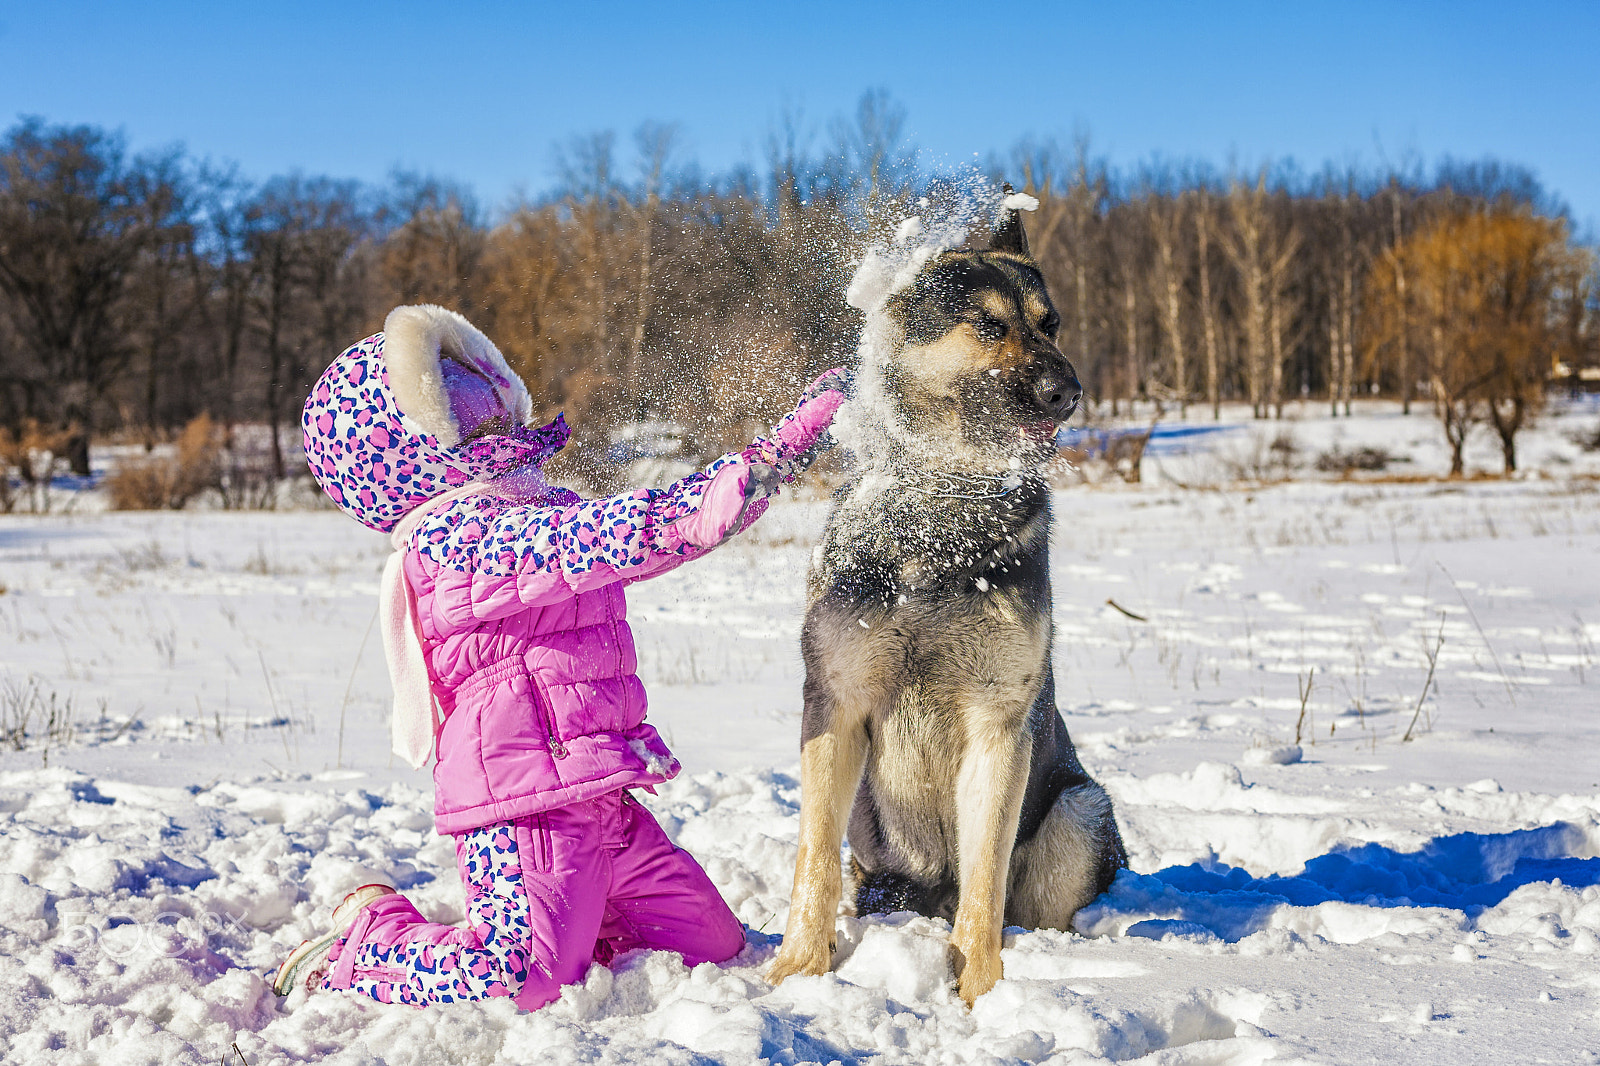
(546, 896)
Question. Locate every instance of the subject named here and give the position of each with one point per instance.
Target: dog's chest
(889, 545)
(934, 607)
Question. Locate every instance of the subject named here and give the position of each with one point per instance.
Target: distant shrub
(1260, 457)
(168, 482)
(247, 480)
(1367, 457)
(27, 714)
(1098, 451)
(1284, 450)
(35, 454)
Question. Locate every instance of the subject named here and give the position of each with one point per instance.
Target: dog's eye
(989, 329)
(1051, 323)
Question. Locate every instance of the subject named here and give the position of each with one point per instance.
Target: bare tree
(434, 252)
(1066, 237)
(1128, 252)
(1262, 251)
(1166, 227)
(1523, 264)
(282, 215)
(655, 142)
(870, 160)
(137, 293)
(1489, 290)
(71, 230)
(585, 166)
(159, 300)
(222, 274)
(1205, 222)
(789, 165)
(338, 255)
(1401, 304)
(1339, 258)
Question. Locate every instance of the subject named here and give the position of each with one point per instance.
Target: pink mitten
(728, 503)
(814, 413)
(801, 429)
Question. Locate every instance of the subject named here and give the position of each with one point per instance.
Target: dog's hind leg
(832, 753)
(1068, 861)
(989, 790)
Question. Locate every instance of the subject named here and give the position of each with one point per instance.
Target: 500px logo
(167, 934)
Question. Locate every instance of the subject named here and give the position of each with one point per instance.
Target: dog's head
(972, 377)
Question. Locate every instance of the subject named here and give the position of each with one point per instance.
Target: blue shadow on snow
(1165, 439)
(1469, 872)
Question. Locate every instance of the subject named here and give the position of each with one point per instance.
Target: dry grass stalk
(1433, 662)
(1305, 695)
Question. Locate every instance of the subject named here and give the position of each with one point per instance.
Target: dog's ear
(1009, 235)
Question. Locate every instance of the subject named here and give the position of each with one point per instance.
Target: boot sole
(303, 959)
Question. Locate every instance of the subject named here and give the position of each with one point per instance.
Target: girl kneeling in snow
(504, 628)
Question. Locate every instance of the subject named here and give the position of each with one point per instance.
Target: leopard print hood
(380, 434)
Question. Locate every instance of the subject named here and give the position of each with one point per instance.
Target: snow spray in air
(947, 217)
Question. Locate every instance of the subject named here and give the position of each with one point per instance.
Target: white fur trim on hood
(416, 337)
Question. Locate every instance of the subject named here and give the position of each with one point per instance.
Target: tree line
(140, 292)
(1462, 286)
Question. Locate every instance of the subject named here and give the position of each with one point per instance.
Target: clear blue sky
(480, 91)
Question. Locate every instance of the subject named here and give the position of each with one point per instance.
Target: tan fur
(989, 793)
(830, 767)
(831, 763)
(935, 366)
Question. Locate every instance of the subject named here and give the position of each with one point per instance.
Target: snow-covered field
(215, 775)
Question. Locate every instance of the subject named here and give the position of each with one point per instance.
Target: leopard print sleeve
(553, 550)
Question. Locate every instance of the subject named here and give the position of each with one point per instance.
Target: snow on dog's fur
(929, 697)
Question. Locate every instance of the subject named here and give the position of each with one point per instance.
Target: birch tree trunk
(1347, 314)
(1335, 349)
(1275, 327)
(1167, 220)
(1280, 314)
(1401, 308)
(1130, 314)
(1208, 312)
(1244, 249)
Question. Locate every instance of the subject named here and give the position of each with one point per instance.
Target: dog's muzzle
(1058, 395)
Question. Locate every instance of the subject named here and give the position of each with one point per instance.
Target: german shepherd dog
(929, 697)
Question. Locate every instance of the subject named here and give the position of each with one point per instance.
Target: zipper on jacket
(546, 712)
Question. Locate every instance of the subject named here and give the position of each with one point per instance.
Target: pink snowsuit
(519, 607)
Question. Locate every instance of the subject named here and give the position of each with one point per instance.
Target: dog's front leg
(993, 777)
(830, 770)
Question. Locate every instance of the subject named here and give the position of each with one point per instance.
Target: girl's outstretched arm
(493, 556)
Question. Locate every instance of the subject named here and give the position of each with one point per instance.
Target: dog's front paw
(977, 968)
(976, 980)
(808, 956)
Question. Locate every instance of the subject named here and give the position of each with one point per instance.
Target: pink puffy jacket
(518, 589)
(532, 661)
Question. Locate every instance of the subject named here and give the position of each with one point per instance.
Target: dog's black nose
(1058, 395)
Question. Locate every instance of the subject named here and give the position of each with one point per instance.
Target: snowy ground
(218, 777)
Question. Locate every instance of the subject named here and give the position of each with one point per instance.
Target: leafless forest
(152, 297)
